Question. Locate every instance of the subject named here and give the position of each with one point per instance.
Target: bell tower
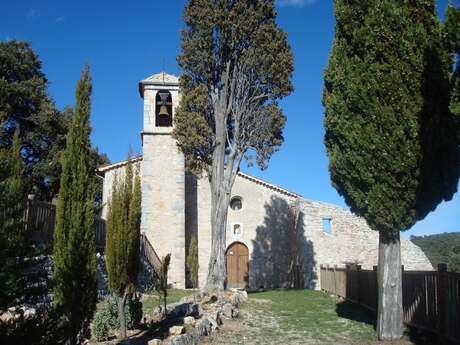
(163, 174)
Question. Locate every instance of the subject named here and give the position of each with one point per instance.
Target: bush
(106, 319)
(100, 327)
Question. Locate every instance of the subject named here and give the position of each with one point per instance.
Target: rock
(29, 313)
(189, 320)
(176, 330)
(207, 299)
(239, 297)
(215, 320)
(191, 338)
(154, 342)
(235, 313)
(203, 327)
(126, 342)
(184, 309)
(228, 310)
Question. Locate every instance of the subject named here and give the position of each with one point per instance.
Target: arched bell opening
(163, 111)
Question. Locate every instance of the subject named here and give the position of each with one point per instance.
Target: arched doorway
(237, 266)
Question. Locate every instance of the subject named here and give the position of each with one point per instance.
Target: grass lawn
(297, 317)
(151, 300)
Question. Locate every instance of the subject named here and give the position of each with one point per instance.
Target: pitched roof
(161, 78)
(102, 170)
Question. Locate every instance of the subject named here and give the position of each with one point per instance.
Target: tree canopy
(391, 140)
(26, 104)
(236, 64)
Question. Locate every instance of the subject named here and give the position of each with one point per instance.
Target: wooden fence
(41, 218)
(431, 299)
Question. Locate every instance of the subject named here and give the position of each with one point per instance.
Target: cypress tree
(192, 262)
(75, 291)
(390, 138)
(453, 38)
(123, 239)
(13, 247)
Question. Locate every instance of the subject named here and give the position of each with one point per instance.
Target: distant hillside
(438, 247)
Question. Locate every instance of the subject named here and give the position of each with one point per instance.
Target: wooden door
(237, 266)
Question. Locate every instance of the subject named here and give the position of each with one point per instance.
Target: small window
(236, 203)
(237, 229)
(327, 225)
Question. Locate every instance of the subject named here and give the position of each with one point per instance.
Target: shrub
(106, 319)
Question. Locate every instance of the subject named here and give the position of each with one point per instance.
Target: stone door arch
(237, 266)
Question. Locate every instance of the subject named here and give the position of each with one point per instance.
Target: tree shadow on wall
(282, 257)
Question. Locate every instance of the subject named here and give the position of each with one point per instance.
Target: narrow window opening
(237, 229)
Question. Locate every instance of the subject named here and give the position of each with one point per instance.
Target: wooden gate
(237, 266)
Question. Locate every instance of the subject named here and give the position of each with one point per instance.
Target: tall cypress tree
(13, 247)
(123, 239)
(390, 138)
(75, 292)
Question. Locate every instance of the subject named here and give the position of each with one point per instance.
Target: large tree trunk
(121, 302)
(390, 312)
(217, 267)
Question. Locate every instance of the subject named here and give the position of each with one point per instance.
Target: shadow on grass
(353, 311)
(356, 312)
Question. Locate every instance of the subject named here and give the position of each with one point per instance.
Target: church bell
(163, 105)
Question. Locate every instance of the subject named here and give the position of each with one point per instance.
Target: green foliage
(106, 319)
(453, 38)
(25, 104)
(123, 232)
(100, 326)
(192, 261)
(123, 236)
(75, 291)
(453, 263)
(12, 227)
(391, 140)
(161, 285)
(236, 64)
(21, 279)
(438, 247)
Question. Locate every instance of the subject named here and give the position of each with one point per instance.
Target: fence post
(376, 289)
(441, 290)
(358, 283)
(335, 280)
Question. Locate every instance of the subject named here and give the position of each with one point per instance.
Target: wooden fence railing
(41, 218)
(431, 299)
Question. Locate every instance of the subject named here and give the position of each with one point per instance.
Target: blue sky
(126, 41)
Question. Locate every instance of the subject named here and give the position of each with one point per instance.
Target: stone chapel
(260, 233)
